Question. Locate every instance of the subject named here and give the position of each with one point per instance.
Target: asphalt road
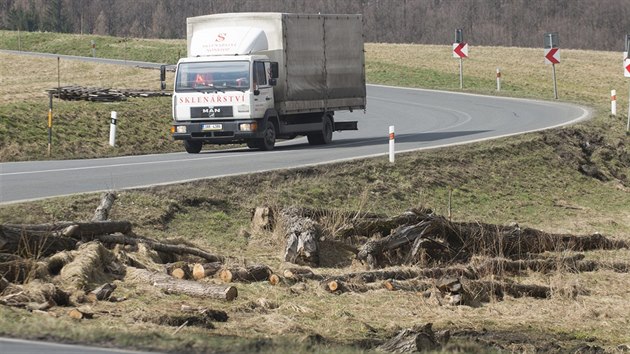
(88, 59)
(20, 346)
(423, 119)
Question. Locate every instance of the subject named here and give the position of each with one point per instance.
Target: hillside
(582, 24)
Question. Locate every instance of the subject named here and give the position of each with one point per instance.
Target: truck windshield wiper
(233, 88)
(208, 88)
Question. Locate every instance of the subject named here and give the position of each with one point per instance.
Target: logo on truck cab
(220, 37)
(210, 99)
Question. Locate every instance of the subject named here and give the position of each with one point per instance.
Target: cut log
(102, 211)
(301, 274)
(81, 313)
(413, 285)
(501, 266)
(412, 340)
(383, 226)
(406, 273)
(274, 279)
(301, 234)
(179, 270)
(474, 292)
(372, 251)
(435, 239)
(254, 273)
(171, 285)
(203, 270)
(158, 246)
(32, 244)
(92, 263)
(338, 286)
(103, 292)
(88, 230)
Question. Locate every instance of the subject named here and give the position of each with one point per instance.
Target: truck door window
(260, 74)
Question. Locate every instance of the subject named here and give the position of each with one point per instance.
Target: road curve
(423, 119)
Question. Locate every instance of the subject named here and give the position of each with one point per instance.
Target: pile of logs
(448, 261)
(46, 265)
(419, 237)
(98, 94)
(72, 263)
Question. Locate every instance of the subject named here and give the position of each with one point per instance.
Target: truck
(253, 78)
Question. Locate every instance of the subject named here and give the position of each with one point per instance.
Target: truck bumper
(217, 132)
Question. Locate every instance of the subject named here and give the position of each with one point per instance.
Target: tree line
(581, 24)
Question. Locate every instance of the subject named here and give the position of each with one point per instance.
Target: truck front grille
(212, 134)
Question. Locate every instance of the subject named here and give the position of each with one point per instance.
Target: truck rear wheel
(192, 147)
(323, 137)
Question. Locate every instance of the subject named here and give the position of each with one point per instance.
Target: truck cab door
(261, 88)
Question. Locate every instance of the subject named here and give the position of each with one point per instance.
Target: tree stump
(262, 219)
(411, 340)
(301, 234)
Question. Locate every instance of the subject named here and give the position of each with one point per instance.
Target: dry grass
(583, 76)
(19, 86)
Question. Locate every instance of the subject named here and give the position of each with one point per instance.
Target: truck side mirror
(274, 70)
(163, 77)
(163, 73)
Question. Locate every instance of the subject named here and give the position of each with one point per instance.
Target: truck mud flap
(339, 126)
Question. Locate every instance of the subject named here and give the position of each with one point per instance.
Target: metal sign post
(459, 38)
(50, 121)
(555, 82)
(552, 56)
(460, 50)
(626, 73)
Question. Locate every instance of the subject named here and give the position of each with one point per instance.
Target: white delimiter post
(112, 129)
(498, 79)
(391, 144)
(613, 102)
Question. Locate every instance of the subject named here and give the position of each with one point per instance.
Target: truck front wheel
(268, 141)
(323, 137)
(192, 147)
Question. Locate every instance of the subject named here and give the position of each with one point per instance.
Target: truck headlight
(178, 129)
(248, 127)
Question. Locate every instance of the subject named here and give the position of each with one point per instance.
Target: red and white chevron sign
(552, 55)
(460, 50)
(626, 65)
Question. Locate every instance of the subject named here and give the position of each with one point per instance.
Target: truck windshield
(208, 76)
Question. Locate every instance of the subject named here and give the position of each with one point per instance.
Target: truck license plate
(206, 127)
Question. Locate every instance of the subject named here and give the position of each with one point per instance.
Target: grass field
(534, 180)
